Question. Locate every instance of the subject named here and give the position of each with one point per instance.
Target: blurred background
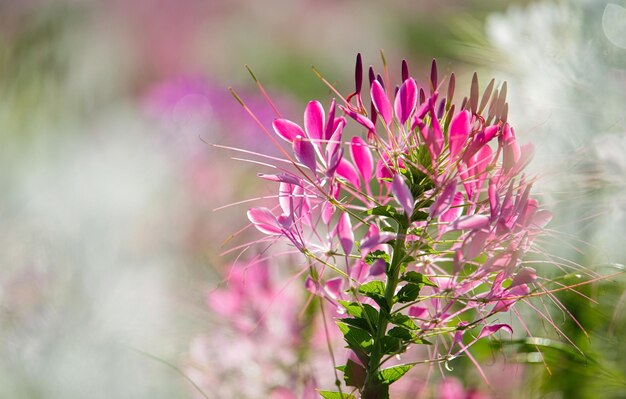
(108, 239)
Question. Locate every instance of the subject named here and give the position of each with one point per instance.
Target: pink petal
(402, 194)
(494, 201)
(381, 102)
(359, 271)
(511, 150)
(470, 222)
(333, 287)
(406, 100)
(419, 312)
(330, 123)
(437, 133)
(334, 143)
(286, 129)
(455, 209)
(541, 218)
(489, 330)
(264, 220)
(281, 177)
(345, 233)
(314, 121)
(359, 118)
(333, 162)
(362, 158)
(285, 199)
(526, 275)
(311, 286)
(378, 267)
(305, 152)
(474, 243)
(348, 172)
(459, 130)
(371, 238)
(444, 200)
(328, 210)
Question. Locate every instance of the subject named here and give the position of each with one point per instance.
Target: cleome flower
(413, 214)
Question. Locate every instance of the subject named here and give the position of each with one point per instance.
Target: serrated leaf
(358, 323)
(403, 320)
(361, 311)
(392, 345)
(401, 333)
(335, 395)
(392, 374)
(384, 210)
(409, 293)
(373, 288)
(378, 254)
(356, 338)
(354, 374)
(376, 291)
(417, 278)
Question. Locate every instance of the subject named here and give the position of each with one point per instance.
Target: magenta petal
(455, 209)
(525, 276)
(494, 201)
(348, 172)
(305, 152)
(345, 233)
(378, 267)
(285, 198)
(360, 271)
(402, 194)
(489, 330)
(314, 121)
(286, 129)
(334, 143)
(359, 118)
(330, 123)
(362, 158)
(371, 238)
(406, 100)
(381, 102)
(444, 200)
(419, 312)
(470, 222)
(311, 286)
(459, 130)
(265, 221)
(281, 177)
(328, 210)
(474, 243)
(333, 287)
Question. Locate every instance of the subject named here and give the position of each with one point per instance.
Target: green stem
(373, 388)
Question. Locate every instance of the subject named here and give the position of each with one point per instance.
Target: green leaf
(417, 278)
(335, 395)
(403, 320)
(384, 210)
(392, 374)
(373, 289)
(357, 339)
(376, 291)
(392, 345)
(418, 215)
(358, 323)
(361, 311)
(354, 374)
(409, 293)
(402, 333)
(378, 254)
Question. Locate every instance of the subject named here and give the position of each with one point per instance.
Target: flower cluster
(416, 228)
